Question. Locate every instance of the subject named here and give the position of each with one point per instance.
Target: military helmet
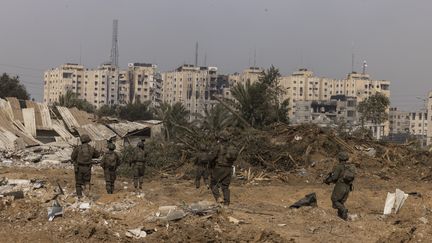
(111, 146)
(343, 156)
(85, 138)
(140, 144)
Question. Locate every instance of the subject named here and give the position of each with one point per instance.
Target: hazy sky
(392, 35)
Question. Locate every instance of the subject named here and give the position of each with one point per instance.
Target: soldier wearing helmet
(202, 159)
(343, 176)
(138, 165)
(110, 161)
(222, 168)
(81, 157)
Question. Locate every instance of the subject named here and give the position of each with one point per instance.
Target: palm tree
(172, 116)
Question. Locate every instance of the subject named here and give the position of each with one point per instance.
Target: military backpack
(349, 173)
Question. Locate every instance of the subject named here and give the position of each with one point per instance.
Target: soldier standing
(138, 165)
(82, 158)
(110, 161)
(343, 176)
(202, 160)
(221, 169)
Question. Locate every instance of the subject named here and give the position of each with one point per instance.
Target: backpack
(111, 160)
(348, 173)
(85, 154)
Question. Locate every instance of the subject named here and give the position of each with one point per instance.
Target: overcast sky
(392, 35)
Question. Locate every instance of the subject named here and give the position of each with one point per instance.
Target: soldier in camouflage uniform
(82, 159)
(343, 185)
(202, 160)
(221, 169)
(138, 165)
(110, 161)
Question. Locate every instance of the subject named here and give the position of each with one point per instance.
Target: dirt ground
(261, 206)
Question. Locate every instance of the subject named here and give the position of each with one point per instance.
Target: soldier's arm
(336, 174)
(74, 154)
(96, 154)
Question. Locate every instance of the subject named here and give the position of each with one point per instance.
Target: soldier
(221, 169)
(202, 159)
(110, 161)
(343, 176)
(138, 165)
(82, 158)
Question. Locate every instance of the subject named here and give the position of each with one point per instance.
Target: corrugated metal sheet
(6, 107)
(29, 121)
(7, 140)
(45, 116)
(124, 128)
(37, 115)
(82, 117)
(68, 118)
(16, 108)
(61, 130)
(97, 132)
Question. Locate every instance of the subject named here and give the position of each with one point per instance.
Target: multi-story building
(399, 121)
(192, 86)
(418, 123)
(105, 85)
(339, 109)
(58, 80)
(250, 74)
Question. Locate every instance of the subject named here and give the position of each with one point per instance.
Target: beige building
(418, 123)
(104, 85)
(399, 121)
(251, 75)
(192, 86)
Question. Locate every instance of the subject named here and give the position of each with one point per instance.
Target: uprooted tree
(260, 103)
(374, 109)
(12, 87)
(172, 117)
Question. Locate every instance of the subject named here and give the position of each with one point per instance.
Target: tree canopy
(11, 87)
(70, 99)
(374, 108)
(259, 103)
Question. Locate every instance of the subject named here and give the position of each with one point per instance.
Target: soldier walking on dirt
(221, 169)
(82, 159)
(110, 161)
(343, 176)
(202, 160)
(138, 165)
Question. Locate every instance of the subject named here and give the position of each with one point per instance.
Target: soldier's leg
(206, 176)
(78, 181)
(135, 176)
(141, 178)
(86, 172)
(225, 182)
(214, 183)
(339, 196)
(198, 173)
(113, 179)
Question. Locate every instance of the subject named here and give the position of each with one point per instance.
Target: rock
(136, 233)
(424, 220)
(33, 158)
(234, 220)
(7, 161)
(353, 217)
(84, 205)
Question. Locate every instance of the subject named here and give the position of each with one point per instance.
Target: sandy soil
(263, 206)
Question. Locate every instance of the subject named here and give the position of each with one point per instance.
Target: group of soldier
(215, 162)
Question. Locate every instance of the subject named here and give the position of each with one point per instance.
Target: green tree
(259, 103)
(11, 87)
(374, 109)
(216, 119)
(70, 99)
(172, 116)
(107, 110)
(136, 111)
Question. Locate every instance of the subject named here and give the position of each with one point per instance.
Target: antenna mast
(364, 67)
(196, 54)
(114, 47)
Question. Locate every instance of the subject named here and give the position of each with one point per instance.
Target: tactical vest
(110, 160)
(85, 154)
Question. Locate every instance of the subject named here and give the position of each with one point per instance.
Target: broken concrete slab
(15, 194)
(136, 233)
(170, 213)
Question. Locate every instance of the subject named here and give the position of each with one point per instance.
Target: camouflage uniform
(202, 160)
(110, 161)
(138, 165)
(342, 188)
(82, 158)
(222, 171)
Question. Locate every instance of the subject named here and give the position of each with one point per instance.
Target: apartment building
(250, 74)
(192, 86)
(105, 85)
(399, 121)
(418, 123)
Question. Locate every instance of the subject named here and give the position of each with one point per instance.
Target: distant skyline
(319, 35)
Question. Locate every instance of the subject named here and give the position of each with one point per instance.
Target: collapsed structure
(27, 123)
